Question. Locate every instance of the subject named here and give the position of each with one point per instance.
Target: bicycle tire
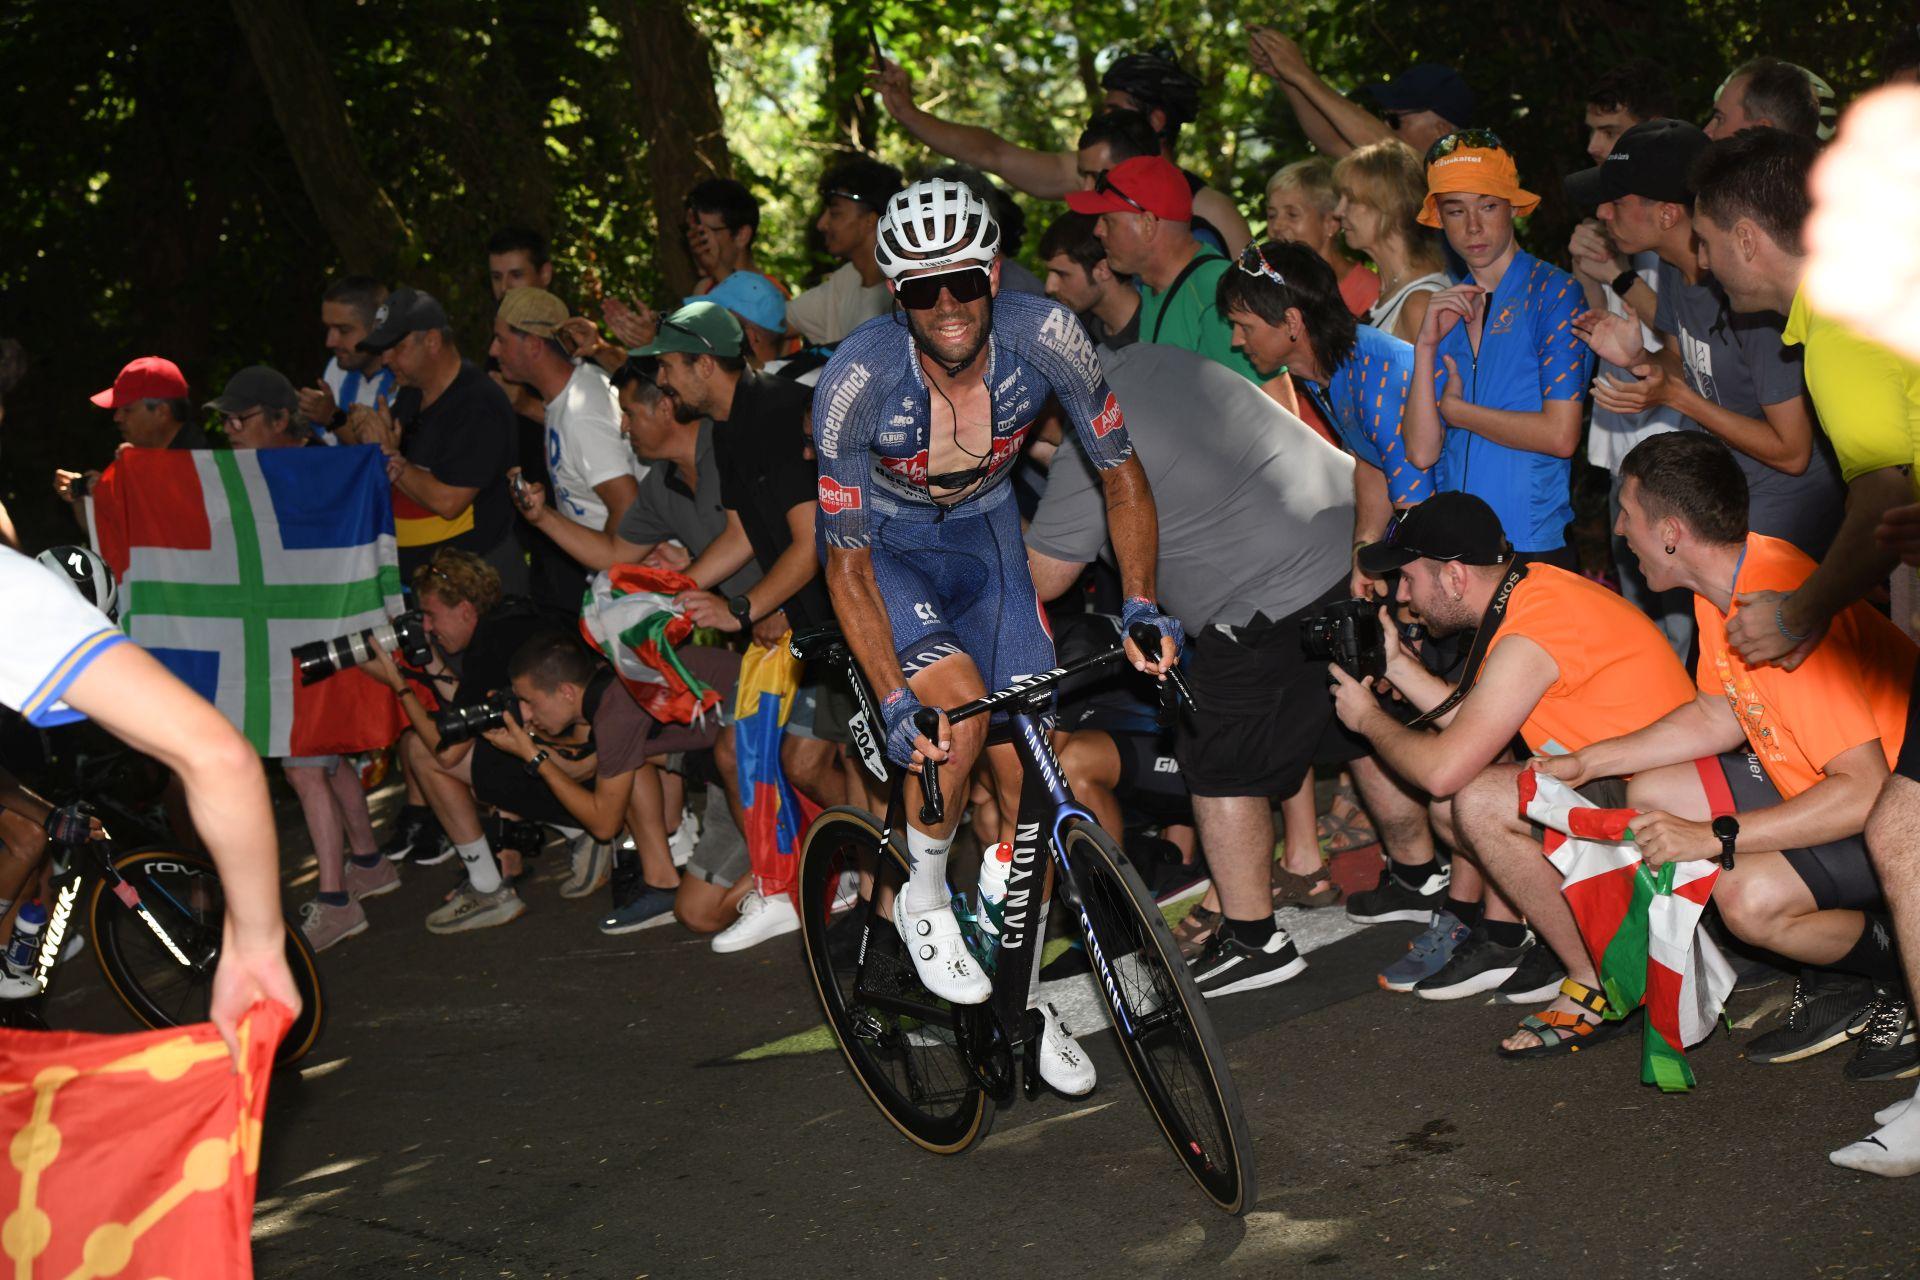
(944, 1110)
(1165, 1032)
(183, 891)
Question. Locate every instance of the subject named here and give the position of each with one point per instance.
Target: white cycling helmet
(936, 222)
(86, 573)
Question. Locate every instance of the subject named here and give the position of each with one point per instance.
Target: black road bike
(938, 1071)
(154, 917)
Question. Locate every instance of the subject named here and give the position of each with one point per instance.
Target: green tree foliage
(151, 201)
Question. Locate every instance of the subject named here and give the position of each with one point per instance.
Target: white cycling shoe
(940, 954)
(1064, 1065)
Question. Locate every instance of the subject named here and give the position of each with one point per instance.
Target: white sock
(481, 868)
(927, 880)
(1888, 1114)
(1892, 1151)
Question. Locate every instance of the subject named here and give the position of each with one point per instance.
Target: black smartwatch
(1726, 828)
(532, 766)
(1623, 283)
(742, 609)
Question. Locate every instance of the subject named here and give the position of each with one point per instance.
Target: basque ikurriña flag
(1641, 927)
(228, 559)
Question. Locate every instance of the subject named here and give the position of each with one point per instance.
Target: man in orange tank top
(1557, 660)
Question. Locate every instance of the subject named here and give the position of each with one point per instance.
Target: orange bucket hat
(1473, 162)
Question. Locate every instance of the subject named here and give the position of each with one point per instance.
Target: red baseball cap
(1144, 184)
(148, 378)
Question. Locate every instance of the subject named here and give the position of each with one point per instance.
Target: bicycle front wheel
(902, 1042)
(168, 981)
(1165, 1031)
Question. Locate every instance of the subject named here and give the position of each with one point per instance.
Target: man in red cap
(151, 409)
(1146, 212)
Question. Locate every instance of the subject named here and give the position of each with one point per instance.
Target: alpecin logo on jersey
(911, 472)
(836, 497)
(1109, 417)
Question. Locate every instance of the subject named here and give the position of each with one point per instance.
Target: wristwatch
(532, 766)
(742, 609)
(1726, 828)
(1623, 283)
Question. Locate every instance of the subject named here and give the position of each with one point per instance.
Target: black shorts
(502, 781)
(1908, 765)
(1150, 779)
(1838, 875)
(1267, 712)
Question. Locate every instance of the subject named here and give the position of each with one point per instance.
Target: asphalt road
(540, 1100)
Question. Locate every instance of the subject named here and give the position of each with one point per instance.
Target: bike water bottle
(995, 869)
(25, 943)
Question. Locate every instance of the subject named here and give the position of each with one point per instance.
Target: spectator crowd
(1630, 514)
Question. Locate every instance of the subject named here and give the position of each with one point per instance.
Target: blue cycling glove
(1141, 609)
(897, 710)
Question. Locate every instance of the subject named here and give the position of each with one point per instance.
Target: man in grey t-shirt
(1256, 524)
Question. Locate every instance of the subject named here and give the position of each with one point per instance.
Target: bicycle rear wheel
(902, 1042)
(1165, 1031)
(164, 989)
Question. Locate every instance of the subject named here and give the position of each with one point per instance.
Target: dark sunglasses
(695, 334)
(1485, 139)
(922, 293)
(1102, 183)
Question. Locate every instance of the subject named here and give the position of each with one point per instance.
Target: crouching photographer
(474, 631)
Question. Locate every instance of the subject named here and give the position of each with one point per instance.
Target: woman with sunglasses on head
(919, 419)
(1499, 374)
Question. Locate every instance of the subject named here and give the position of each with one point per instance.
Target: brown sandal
(1195, 930)
(1290, 890)
(1345, 827)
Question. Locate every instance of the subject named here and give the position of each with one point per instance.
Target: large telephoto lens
(318, 659)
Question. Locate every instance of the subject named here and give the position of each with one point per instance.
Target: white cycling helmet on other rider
(935, 223)
(84, 571)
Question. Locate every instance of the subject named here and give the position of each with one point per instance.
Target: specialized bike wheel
(901, 1041)
(1165, 1031)
(182, 891)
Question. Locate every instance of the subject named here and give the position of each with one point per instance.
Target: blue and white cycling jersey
(873, 413)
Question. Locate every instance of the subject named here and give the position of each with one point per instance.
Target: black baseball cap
(1650, 160)
(1447, 526)
(1426, 86)
(406, 310)
(255, 387)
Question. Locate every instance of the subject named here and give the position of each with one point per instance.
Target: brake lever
(1147, 640)
(932, 810)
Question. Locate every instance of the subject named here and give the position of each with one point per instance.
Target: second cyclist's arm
(1134, 525)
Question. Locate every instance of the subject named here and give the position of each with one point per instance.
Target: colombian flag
(777, 815)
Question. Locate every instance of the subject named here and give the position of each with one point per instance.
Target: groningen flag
(227, 559)
(133, 1155)
(1641, 926)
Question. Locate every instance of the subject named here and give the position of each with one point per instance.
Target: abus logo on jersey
(1109, 417)
(836, 497)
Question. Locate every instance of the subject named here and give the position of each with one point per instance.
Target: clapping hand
(1615, 339)
(635, 324)
(316, 404)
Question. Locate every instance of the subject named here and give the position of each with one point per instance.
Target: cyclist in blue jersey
(918, 421)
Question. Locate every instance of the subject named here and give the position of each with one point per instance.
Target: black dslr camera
(458, 724)
(1349, 633)
(318, 659)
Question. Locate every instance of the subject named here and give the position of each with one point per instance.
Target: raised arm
(1048, 175)
(1332, 122)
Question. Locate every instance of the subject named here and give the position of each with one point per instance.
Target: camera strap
(1476, 654)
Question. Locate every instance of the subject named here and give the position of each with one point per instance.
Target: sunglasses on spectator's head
(854, 196)
(695, 334)
(1253, 261)
(1486, 139)
(922, 293)
(1102, 183)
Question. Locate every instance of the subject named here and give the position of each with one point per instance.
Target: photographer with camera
(1256, 518)
(475, 630)
(1556, 659)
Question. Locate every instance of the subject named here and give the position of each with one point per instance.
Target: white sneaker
(590, 866)
(1063, 1064)
(684, 839)
(940, 954)
(760, 919)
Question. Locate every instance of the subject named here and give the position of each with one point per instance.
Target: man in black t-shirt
(449, 438)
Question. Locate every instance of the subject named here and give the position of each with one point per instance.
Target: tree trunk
(849, 106)
(356, 212)
(686, 141)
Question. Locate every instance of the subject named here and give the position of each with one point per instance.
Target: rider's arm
(144, 705)
(863, 617)
(1134, 526)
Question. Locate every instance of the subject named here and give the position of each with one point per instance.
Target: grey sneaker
(591, 865)
(370, 882)
(471, 909)
(1427, 954)
(324, 924)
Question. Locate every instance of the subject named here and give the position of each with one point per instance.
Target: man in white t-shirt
(353, 378)
(61, 660)
(595, 477)
(853, 195)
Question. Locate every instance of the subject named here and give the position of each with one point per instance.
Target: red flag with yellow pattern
(133, 1155)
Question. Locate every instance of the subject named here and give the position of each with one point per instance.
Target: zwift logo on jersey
(1109, 418)
(836, 497)
(839, 404)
